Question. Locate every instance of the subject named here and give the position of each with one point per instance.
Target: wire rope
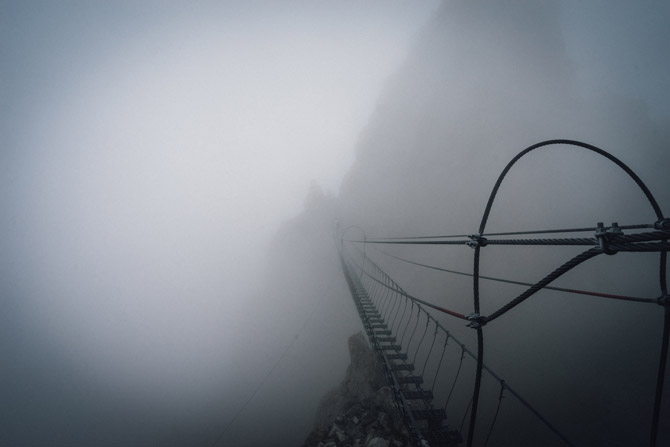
(465, 350)
(495, 416)
(521, 283)
(458, 371)
(513, 233)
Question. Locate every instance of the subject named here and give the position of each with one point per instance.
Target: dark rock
(378, 442)
(361, 412)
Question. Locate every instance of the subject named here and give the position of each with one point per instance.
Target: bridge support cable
(627, 242)
(608, 240)
(423, 420)
(664, 300)
(521, 283)
(495, 416)
(518, 233)
(419, 349)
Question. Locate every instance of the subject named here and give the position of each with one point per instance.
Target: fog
(170, 175)
(150, 152)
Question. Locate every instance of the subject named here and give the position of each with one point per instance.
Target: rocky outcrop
(361, 412)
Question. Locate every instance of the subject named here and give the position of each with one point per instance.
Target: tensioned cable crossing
(521, 283)
(376, 276)
(607, 240)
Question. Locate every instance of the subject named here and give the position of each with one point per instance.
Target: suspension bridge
(412, 340)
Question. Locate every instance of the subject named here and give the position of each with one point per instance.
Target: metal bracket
(476, 320)
(477, 240)
(663, 224)
(604, 235)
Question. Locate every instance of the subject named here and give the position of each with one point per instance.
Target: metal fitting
(663, 300)
(477, 240)
(663, 224)
(476, 320)
(604, 235)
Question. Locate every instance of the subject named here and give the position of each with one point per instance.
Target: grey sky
(161, 144)
(621, 46)
(150, 150)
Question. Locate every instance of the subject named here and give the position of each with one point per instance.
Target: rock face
(361, 412)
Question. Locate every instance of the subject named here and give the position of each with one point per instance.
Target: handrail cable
(607, 240)
(495, 417)
(528, 232)
(467, 351)
(521, 283)
(623, 239)
(570, 264)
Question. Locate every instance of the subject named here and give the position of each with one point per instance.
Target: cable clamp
(604, 235)
(662, 224)
(476, 320)
(477, 240)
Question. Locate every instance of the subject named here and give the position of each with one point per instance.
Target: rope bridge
(412, 344)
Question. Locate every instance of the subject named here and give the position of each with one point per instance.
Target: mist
(150, 152)
(170, 175)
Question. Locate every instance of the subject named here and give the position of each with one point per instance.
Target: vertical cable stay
(458, 371)
(495, 416)
(439, 364)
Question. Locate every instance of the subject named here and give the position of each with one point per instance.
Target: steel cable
(416, 325)
(480, 348)
(658, 395)
(418, 300)
(622, 165)
(439, 365)
(404, 309)
(620, 239)
(465, 350)
(458, 371)
(521, 283)
(430, 351)
(514, 233)
(495, 416)
(467, 409)
(409, 320)
(572, 263)
(425, 331)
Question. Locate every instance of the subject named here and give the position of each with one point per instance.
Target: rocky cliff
(361, 411)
